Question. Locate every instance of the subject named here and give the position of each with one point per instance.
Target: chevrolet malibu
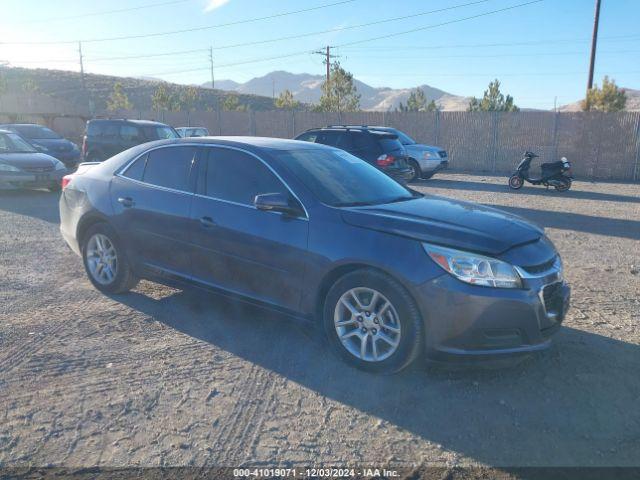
(309, 230)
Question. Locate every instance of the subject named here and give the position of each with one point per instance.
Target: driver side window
(238, 177)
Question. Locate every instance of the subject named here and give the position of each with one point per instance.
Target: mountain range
(307, 88)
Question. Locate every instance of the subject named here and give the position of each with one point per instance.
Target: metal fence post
(555, 136)
(219, 121)
(636, 167)
(437, 127)
(494, 146)
(293, 123)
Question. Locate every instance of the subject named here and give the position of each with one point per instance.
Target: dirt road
(165, 377)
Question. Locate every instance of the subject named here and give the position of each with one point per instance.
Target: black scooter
(554, 174)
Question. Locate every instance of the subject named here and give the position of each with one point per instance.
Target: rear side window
(308, 137)
(390, 144)
(136, 169)
(344, 141)
(111, 131)
(362, 142)
(170, 167)
(129, 133)
(238, 177)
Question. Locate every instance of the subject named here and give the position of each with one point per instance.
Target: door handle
(126, 201)
(207, 222)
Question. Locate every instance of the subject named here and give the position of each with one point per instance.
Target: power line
(148, 55)
(186, 30)
(503, 55)
(381, 37)
(104, 12)
(349, 27)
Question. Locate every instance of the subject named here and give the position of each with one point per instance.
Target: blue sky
(538, 51)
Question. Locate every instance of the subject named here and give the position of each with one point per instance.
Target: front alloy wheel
(416, 172)
(372, 322)
(367, 324)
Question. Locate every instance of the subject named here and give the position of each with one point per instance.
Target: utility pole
(594, 42)
(213, 84)
(81, 66)
(328, 62)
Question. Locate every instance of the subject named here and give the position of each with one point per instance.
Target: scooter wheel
(565, 186)
(516, 182)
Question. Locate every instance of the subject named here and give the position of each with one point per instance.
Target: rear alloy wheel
(416, 172)
(516, 182)
(372, 322)
(105, 262)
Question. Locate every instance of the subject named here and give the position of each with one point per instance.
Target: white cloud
(213, 4)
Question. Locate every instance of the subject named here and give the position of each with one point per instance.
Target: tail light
(66, 180)
(385, 160)
(84, 146)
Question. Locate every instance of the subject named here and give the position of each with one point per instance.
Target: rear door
(238, 247)
(152, 200)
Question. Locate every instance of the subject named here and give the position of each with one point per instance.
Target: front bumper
(466, 322)
(31, 180)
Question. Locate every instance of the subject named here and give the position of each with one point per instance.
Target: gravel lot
(168, 377)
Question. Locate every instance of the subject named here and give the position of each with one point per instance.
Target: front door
(237, 247)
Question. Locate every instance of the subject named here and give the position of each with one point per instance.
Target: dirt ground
(168, 377)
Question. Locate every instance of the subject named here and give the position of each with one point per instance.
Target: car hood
(54, 144)
(443, 221)
(28, 160)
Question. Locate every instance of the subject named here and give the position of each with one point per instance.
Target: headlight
(473, 268)
(8, 168)
(430, 156)
(60, 166)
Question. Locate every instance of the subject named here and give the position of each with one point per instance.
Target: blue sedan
(389, 274)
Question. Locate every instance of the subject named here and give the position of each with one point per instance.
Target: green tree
(417, 102)
(118, 100)
(29, 86)
(286, 101)
(493, 101)
(340, 94)
(188, 99)
(609, 98)
(162, 98)
(232, 103)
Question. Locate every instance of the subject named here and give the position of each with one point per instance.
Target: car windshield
(339, 179)
(13, 143)
(160, 133)
(404, 138)
(37, 132)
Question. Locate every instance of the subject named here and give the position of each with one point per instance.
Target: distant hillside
(67, 86)
(633, 102)
(307, 88)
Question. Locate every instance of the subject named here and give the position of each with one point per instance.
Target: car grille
(552, 297)
(442, 153)
(37, 169)
(541, 267)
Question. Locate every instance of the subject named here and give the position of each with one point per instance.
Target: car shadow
(574, 404)
(613, 227)
(527, 189)
(30, 203)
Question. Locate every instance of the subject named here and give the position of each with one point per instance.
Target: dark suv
(381, 149)
(106, 138)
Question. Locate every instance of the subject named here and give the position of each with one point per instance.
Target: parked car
(23, 166)
(104, 138)
(186, 132)
(47, 141)
(424, 160)
(380, 149)
(315, 232)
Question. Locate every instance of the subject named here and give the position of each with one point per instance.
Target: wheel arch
(87, 222)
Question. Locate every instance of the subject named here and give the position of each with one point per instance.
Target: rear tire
(105, 260)
(565, 187)
(516, 182)
(392, 333)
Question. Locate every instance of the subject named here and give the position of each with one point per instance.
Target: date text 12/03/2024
(315, 473)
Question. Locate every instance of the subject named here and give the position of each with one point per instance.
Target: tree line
(340, 94)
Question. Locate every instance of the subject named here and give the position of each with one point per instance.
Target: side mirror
(277, 202)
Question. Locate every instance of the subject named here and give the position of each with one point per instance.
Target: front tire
(516, 182)
(372, 322)
(416, 172)
(105, 261)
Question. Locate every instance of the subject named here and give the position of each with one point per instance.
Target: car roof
(347, 128)
(127, 120)
(247, 143)
(21, 125)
